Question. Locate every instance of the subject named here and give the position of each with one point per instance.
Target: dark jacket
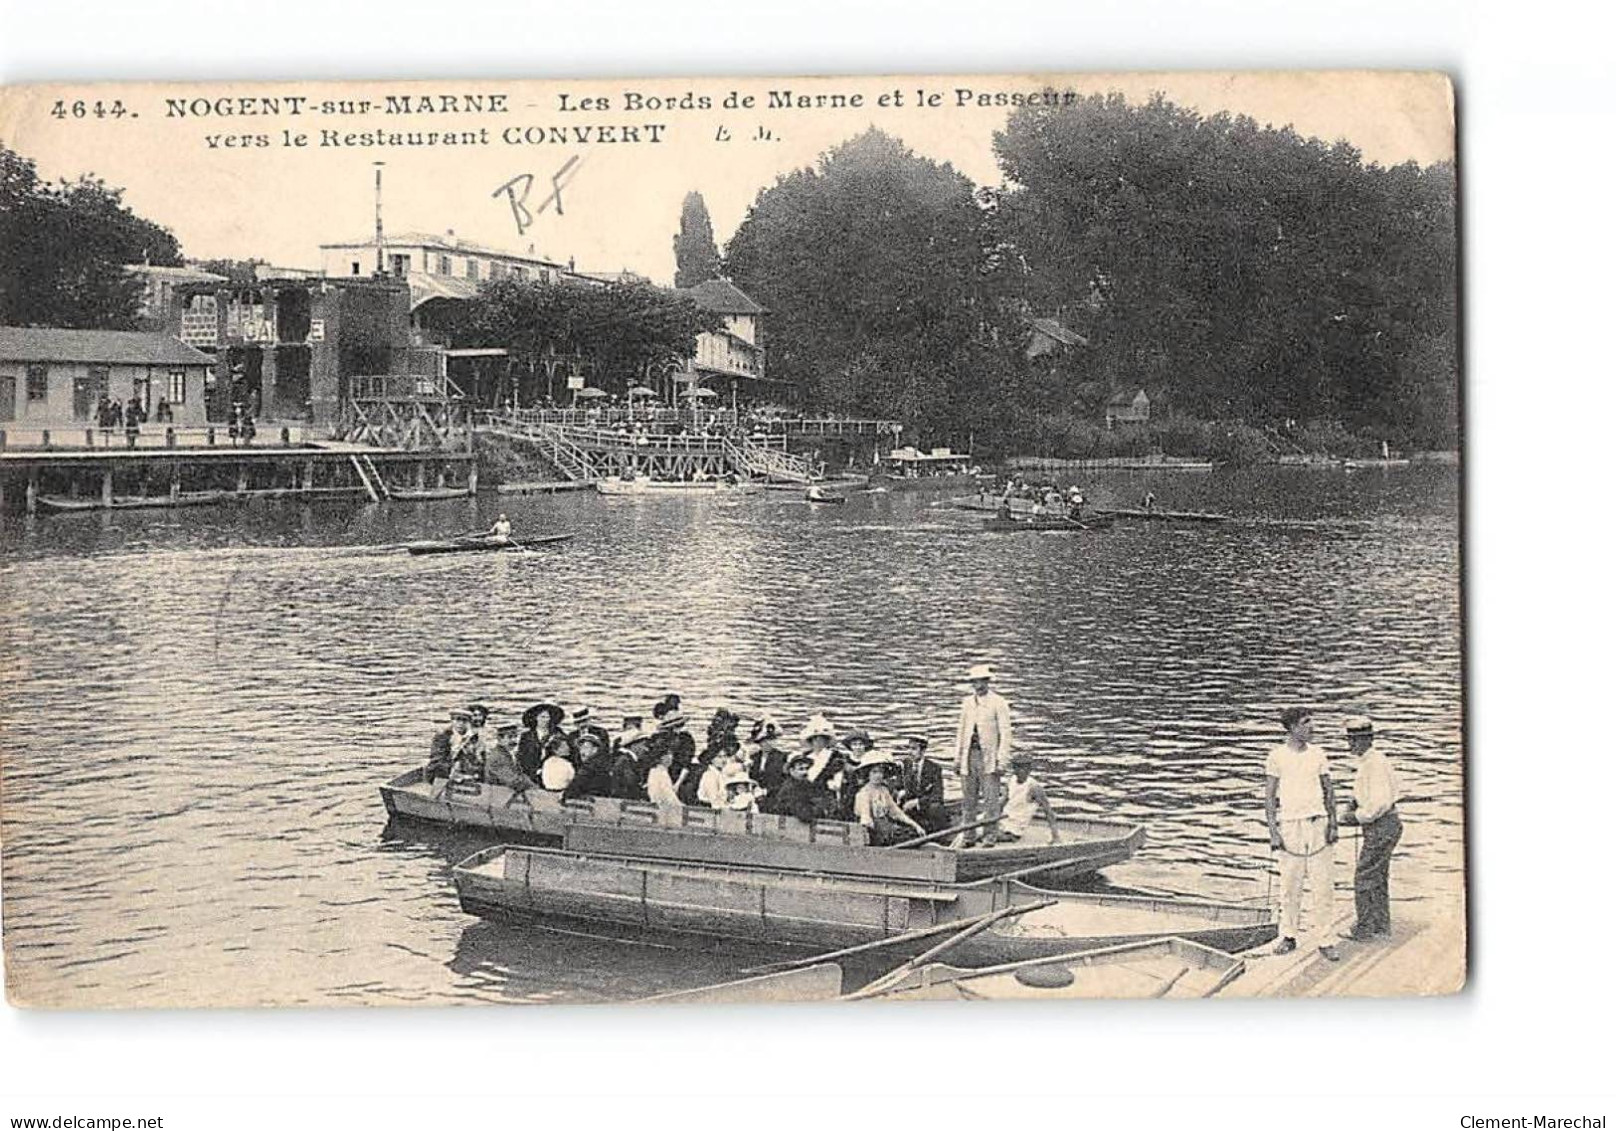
(768, 766)
(441, 758)
(800, 799)
(627, 781)
(923, 784)
(501, 768)
(593, 779)
(532, 750)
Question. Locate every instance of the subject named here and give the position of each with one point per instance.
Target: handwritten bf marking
(519, 210)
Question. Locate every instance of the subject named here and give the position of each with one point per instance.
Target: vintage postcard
(884, 538)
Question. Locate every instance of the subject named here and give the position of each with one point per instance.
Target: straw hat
(979, 671)
(818, 727)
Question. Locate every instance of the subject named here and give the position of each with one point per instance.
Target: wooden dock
(1425, 954)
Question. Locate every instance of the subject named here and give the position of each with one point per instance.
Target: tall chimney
(380, 266)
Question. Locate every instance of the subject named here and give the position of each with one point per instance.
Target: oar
(929, 837)
(982, 923)
(1167, 987)
(891, 940)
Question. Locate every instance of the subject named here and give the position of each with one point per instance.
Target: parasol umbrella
(590, 393)
(704, 394)
(641, 391)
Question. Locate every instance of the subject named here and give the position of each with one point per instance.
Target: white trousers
(1305, 862)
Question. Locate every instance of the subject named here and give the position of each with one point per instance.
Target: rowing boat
(720, 836)
(821, 982)
(644, 486)
(827, 911)
(1041, 524)
(1154, 515)
(427, 494)
(74, 503)
(1166, 968)
(484, 545)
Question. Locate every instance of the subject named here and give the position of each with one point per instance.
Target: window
(471, 269)
(445, 267)
(519, 271)
(496, 270)
(355, 267)
(176, 386)
(401, 265)
(38, 382)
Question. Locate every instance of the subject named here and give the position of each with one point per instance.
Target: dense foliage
(874, 267)
(695, 252)
(616, 335)
(65, 249)
(1240, 274)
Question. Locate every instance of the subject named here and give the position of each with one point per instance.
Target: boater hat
(580, 716)
(979, 671)
(671, 721)
(459, 713)
(1360, 724)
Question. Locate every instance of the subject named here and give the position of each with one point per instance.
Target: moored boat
(941, 469)
(644, 486)
(815, 909)
(1154, 515)
(485, 545)
(427, 494)
(820, 982)
(716, 836)
(1041, 524)
(74, 503)
(1165, 968)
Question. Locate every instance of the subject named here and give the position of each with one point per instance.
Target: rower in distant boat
(1024, 799)
(1149, 501)
(1074, 502)
(500, 531)
(876, 809)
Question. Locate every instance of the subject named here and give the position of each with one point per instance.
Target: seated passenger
(500, 767)
(632, 746)
(767, 763)
(557, 772)
(1024, 799)
(446, 744)
(740, 795)
(659, 786)
(710, 790)
(594, 770)
(920, 787)
(541, 737)
(875, 808)
(797, 796)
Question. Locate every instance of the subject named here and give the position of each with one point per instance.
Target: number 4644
(83, 109)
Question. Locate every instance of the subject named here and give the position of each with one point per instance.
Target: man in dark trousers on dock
(1300, 806)
(1374, 810)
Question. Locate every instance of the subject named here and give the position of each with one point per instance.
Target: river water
(199, 705)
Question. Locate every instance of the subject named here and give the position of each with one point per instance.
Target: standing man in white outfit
(981, 747)
(1302, 829)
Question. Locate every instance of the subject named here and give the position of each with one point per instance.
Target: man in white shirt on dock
(1374, 810)
(1300, 806)
(981, 747)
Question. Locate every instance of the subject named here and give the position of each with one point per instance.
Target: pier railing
(78, 437)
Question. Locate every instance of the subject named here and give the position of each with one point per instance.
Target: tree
(616, 333)
(694, 250)
(66, 248)
(876, 267)
(1246, 271)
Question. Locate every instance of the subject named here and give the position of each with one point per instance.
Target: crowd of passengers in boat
(742, 766)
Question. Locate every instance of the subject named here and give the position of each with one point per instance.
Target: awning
(483, 352)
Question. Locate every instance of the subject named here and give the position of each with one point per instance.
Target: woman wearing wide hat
(875, 808)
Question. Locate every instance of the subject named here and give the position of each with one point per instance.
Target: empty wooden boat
(821, 982)
(1166, 968)
(827, 911)
(1155, 515)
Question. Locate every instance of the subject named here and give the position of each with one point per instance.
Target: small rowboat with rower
(485, 545)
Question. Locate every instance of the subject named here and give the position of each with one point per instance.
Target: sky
(620, 206)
